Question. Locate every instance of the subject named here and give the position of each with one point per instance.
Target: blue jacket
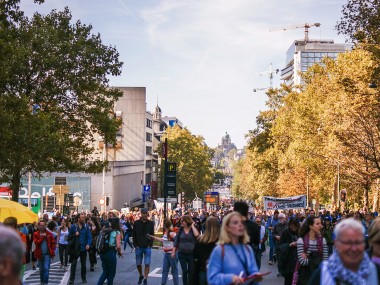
(221, 269)
(85, 237)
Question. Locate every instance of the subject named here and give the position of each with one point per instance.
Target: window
(148, 164)
(148, 137)
(148, 150)
(149, 123)
(60, 180)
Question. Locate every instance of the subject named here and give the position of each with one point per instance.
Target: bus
(35, 202)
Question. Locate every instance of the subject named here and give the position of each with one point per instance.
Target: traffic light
(107, 201)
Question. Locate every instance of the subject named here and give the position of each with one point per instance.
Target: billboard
(293, 202)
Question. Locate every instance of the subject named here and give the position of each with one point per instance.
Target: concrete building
(303, 54)
(130, 160)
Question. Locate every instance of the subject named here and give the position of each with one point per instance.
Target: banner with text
(293, 202)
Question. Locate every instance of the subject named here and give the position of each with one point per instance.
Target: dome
(163, 126)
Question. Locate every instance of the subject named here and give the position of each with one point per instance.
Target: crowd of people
(217, 248)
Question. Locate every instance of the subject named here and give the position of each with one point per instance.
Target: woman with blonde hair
(203, 248)
(232, 261)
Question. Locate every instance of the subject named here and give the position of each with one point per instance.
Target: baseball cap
(144, 210)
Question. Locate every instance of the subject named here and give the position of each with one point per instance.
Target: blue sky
(202, 58)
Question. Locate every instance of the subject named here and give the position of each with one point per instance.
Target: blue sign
(211, 193)
(147, 189)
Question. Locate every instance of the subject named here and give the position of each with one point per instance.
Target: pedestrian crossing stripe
(57, 275)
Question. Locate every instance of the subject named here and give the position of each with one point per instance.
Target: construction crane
(306, 26)
(270, 73)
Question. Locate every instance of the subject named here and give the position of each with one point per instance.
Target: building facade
(303, 54)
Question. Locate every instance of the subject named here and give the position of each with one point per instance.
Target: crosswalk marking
(56, 275)
(155, 273)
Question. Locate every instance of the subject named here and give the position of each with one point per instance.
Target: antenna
(270, 73)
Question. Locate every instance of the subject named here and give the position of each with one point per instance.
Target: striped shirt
(313, 246)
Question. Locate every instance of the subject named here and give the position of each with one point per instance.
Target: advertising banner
(293, 202)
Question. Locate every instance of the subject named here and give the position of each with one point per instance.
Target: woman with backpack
(184, 244)
(203, 248)
(311, 250)
(108, 257)
(168, 261)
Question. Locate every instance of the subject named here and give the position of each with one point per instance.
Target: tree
(55, 89)
(192, 156)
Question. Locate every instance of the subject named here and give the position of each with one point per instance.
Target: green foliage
(60, 68)
(192, 155)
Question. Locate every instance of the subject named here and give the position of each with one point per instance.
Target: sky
(200, 60)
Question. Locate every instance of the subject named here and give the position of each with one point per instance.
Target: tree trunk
(375, 205)
(367, 188)
(15, 185)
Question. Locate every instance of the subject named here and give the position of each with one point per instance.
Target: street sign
(170, 179)
(211, 198)
(61, 189)
(101, 201)
(60, 199)
(168, 200)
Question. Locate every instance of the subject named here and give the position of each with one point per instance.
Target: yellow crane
(306, 26)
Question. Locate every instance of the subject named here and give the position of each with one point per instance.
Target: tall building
(130, 160)
(303, 54)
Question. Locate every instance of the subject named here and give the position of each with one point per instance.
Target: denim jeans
(44, 265)
(63, 253)
(73, 269)
(168, 263)
(126, 240)
(109, 267)
(202, 278)
(272, 246)
(187, 265)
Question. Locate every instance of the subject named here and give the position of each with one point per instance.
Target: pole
(104, 177)
(29, 189)
(166, 169)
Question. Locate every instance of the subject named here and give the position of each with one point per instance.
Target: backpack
(103, 240)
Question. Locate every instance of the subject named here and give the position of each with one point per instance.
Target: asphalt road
(127, 274)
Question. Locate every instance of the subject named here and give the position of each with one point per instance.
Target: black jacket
(253, 231)
(140, 232)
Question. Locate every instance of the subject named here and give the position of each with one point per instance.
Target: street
(127, 273)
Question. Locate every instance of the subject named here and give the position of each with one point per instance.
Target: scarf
(341, 273)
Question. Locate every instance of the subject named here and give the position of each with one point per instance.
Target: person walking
(45, 250)
(279, 228)
(253, 230)
(108, 257)
(127, 229)
(232, 260)
(288, 250)
(142, 229)
(63, 237)
(311, 250)
(94, 225)
(80, 237)
(203, 249)
(349, 264)
(272, 221)
(168, 261)
(184, 244)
